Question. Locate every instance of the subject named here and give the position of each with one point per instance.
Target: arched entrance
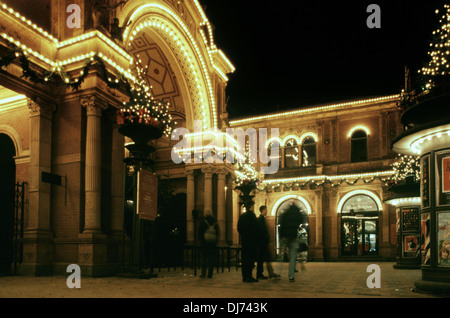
(162, 39)
(360, 224)
(7, 181)
(281, 206)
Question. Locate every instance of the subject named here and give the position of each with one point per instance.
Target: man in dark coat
(263, 246)
(289, 223)
(248, 229)
(208, 243)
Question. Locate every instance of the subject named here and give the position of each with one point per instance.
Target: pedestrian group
(255, 239)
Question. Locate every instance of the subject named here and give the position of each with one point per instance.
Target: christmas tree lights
(246, 174)
(405, 168)
(439, 52)
(143, 109)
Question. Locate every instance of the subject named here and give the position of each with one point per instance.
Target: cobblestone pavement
(320, 280)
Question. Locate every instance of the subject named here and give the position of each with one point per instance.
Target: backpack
(210, 235)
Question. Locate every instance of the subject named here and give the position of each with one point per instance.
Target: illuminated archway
(169, 29)
(356, 192)
(290, 197)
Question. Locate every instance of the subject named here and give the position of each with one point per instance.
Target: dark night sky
(290, 54)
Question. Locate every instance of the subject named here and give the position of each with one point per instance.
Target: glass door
(359, 237)
(370, 237)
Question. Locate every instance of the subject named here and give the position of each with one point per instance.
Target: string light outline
(315, 109)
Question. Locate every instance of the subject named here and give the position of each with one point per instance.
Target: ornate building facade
(334, 161)
(64, 67)
(63, 180)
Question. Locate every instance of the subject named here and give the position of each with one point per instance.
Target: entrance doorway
(7, 191)
(280, 250)
(359, 226)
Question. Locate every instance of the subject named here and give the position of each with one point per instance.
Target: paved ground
(321, 280)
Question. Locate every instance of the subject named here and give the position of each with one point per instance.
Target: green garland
(289, 186)
(58, 75)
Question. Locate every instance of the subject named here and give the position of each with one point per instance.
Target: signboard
(147, 195)
(446, 174)
(443, 178)
(444, 239)
(410, 245)
(425, 181)
(425, 238)
(360, 203)
(411, 220)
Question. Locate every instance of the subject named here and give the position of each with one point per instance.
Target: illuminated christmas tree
(406, 170)
(143, 109)
(438, 66)
(246, 179)
(433, 77)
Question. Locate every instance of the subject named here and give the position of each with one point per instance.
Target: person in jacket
(289, 223)
(248, 229)
(208, 236)
(263, 246)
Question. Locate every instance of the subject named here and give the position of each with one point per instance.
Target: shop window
(359, 146)
(291, 155)
(309, 152)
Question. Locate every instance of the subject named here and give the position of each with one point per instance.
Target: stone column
(236, 214)
(333, 199)
(207, 173)
(117, 181)
(221, 205)
(94, 107)
(190, 205)
(37, 250)
(319, 228)
(92, 249)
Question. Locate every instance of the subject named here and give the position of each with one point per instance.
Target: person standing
(208, 236)
(263, 246)
(289, 223)
(248, 229)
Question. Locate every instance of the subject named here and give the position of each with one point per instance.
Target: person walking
(248, 229)
(289, 223)
(263, 246)
(208, 236)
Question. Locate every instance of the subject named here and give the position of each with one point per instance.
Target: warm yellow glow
(308, 134)
(355, 192)
(192, 42)
(315, 109)
(272, 139)
(405, 201)
(416, 144)
(26, 22)
(356, 128)
(288, 137)
(12, 99)
(332, 177)
(289, 197)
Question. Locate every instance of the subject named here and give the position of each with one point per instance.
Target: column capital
(93, 104)
(39, 107)
(221, 173)
(189, 173)
(208, 171)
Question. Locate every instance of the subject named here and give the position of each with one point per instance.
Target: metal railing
(190, 256)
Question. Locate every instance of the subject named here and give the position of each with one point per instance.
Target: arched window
(359, 146)
(291, 155)
(308, 152)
